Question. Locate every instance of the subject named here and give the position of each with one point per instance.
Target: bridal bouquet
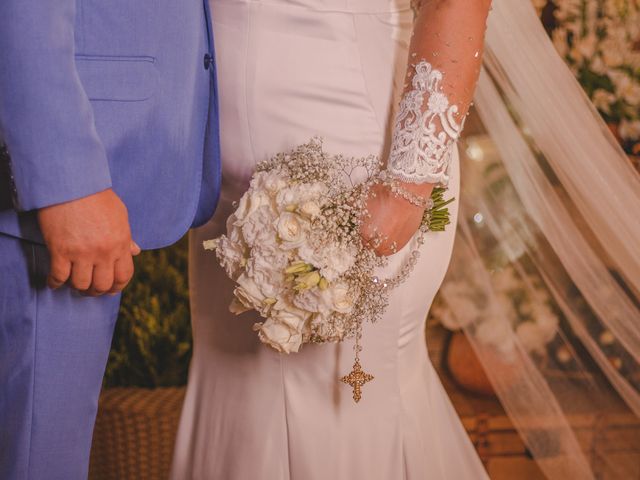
(294, 250)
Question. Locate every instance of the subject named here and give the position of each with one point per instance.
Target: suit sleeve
(46, 119)
(445, 56)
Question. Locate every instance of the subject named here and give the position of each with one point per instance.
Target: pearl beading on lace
(424, 135)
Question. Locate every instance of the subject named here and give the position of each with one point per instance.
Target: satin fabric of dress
(288, 71)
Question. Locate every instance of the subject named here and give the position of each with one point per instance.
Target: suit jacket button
(208, 60)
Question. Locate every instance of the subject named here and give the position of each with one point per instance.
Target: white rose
(293, 317)
(292, 229)
(274, 183)
(341, 298)
(285, 329)
(278, 336)
(249, 294)
(310, 209)
(336, 298)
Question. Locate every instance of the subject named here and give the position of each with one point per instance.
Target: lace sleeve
(444, 64)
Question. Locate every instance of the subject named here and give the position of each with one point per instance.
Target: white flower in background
(465, 310)
(629, 129)
(603, 100)
(505, 279)
(626, 88)
(497, 333)
(612, 58)
(587, 46)
(531, 337)
(599, 39)
(598, 65)
(449, 318)
(513, 309)
(546, 320)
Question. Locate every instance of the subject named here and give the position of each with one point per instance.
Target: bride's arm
(444, 63)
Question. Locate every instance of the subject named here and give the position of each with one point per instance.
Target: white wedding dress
(290, 70)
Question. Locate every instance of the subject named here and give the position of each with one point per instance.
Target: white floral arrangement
(294, 250)
(600, 40)
(525, 304)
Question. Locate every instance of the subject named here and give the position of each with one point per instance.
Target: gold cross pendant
(356, 379)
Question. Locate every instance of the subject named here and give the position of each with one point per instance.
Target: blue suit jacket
(109, 93)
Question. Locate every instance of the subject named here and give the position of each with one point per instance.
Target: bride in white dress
(290, 70)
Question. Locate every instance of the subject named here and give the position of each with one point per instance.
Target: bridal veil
(567, 214)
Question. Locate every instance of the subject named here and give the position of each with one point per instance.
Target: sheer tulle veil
(573, 219)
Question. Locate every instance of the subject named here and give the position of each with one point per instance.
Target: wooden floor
(135, 432)
(610, 438)
(499, 446)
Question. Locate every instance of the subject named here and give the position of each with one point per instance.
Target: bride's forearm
(444, 63)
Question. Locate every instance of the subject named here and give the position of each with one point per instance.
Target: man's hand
(392, 220)
(90, 243)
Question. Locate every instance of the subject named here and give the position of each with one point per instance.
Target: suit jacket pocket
(117, 78)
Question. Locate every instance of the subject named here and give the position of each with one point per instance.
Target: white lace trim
(424, 138)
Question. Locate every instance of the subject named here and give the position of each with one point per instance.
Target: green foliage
(152, 342)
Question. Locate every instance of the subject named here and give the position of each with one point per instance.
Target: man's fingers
(59, 271)
(102, 281)
(135, 248)
(81, 275)
(123, 271)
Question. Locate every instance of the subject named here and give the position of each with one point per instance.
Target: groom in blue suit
(108, 114)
